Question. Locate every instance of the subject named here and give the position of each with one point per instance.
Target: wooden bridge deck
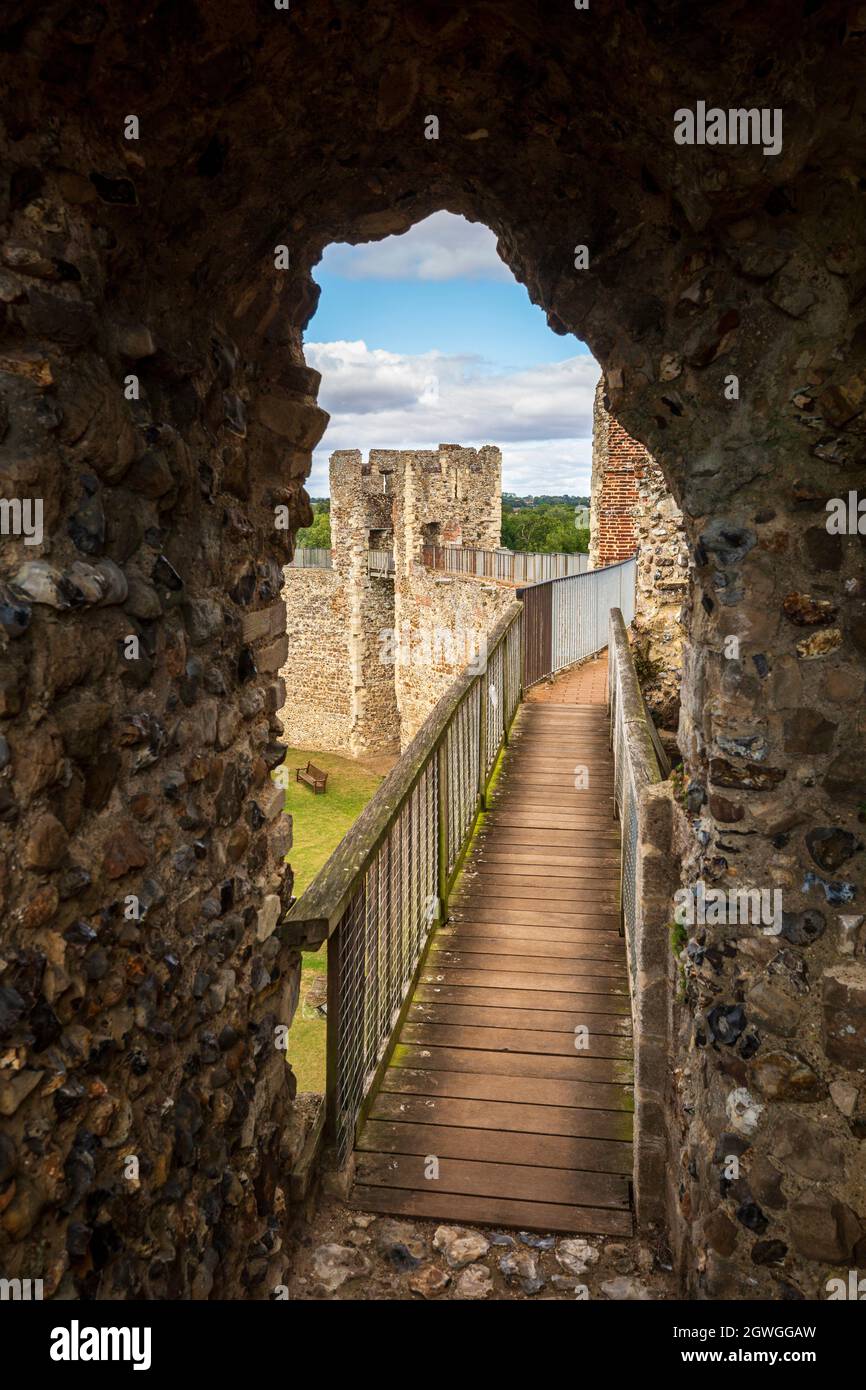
(486, 1078)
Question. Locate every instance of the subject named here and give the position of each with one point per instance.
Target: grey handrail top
(586, 574)
(641, 735)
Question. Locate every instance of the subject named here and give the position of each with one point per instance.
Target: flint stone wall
(318, 712)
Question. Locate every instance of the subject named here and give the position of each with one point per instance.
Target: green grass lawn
(318, 825)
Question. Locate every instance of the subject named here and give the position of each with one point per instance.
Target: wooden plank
(596, 878)
(528, 747)
(480, 952)
(562, 794)
(457, 932)
(548, 964)
(545, 1020)
(593, 802)
(507, 846)
(572, 735)
(605, 1083)
(470, 1178)
(536, 714)
(551, 818)
(572, 731)
(494, 891)
(487, 1211)
(559, 764)
(493, 888)
(504, 1115)
(569, 806)
(546, 1065)
(515, 979)
(558, 757)
(536, 1150)
(599, 920)
(510, 868)
(598, 839)
(529, 737)
(529, 1040)
(598, 947)
(613, 1006)
(592, 842)
(555, 863)
(582, 878)
(573, 739)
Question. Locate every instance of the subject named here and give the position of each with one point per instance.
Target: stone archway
(157, 402)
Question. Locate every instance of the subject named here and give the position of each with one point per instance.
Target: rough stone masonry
(156, 281)
(369, 656)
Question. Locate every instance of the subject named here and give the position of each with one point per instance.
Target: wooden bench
(313, 777)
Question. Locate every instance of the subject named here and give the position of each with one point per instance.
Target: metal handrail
(510, 566)
(567, 619)
(380, 563)
(636, 762)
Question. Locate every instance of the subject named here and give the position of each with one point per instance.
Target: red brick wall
(618, 463)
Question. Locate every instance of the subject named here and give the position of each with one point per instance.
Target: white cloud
(541, 417)
(442, 247)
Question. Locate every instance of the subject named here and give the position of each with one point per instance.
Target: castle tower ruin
(370, 650)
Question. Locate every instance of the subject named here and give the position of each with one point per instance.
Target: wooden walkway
(486, 1078)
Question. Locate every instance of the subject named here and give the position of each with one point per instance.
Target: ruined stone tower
(372, 644)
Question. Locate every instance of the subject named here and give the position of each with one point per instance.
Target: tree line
(546, 525)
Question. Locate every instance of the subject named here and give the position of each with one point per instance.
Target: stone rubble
(464, 1263)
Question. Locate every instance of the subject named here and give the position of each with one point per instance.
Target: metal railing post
(443, 821)
(332, 1037)
(483, 712)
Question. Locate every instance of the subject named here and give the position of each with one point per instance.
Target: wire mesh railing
(380, 563)
(511, 566)
(387, 884)
(311, 557)
(637, 764)
(567, 619)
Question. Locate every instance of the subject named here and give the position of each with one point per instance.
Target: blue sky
(427, 338)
